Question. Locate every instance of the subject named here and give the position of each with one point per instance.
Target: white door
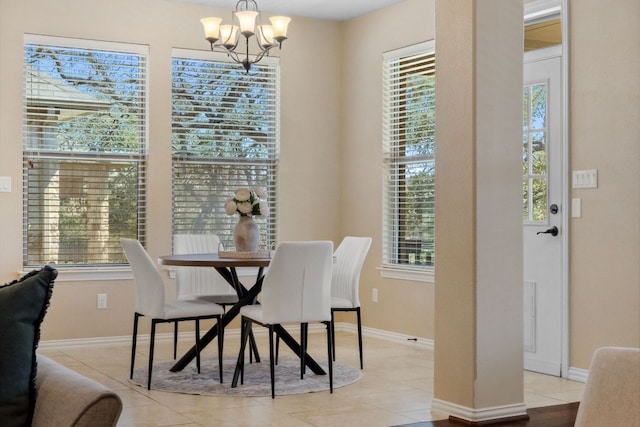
(543, 211)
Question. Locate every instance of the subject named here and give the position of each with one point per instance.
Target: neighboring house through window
(84, 152)
(409, 160)
(225, 135)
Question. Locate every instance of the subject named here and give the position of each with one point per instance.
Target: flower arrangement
(247, 202)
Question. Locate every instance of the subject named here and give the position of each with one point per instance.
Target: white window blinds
(409, 156)
(84, 150)
(225, 134)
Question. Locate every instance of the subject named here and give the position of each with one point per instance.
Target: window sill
(82, 274)
(403, 273)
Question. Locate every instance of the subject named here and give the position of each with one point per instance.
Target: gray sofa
(66, 398)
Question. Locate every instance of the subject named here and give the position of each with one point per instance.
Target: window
(225, 133)
(409, 157)
(534, 153)
(84, 152)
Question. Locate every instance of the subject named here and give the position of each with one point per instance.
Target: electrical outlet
(5, 184)
(102, 301)
(374, 295)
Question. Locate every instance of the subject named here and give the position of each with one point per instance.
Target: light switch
(585, 178)
(5, 184)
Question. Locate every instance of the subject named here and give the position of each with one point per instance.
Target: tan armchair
(612, 393)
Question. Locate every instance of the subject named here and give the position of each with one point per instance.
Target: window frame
(138, 157)
(268, 163)
(390, 267)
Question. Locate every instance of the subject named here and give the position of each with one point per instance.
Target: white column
(478, 313)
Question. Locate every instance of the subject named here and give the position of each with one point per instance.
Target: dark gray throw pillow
(23, 304)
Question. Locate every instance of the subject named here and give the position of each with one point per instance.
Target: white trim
(578, 374)
(575, 374)
(478, 415)
(566, 196)
(115, 273)
(418, 275)
(422, 343)
(82, 274)
(86, 44)
(415, 49)
(542, 10)
(543, 54)
(88, 342)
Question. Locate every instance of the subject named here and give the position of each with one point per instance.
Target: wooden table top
(211, 260)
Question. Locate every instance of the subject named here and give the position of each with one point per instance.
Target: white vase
(246, 235)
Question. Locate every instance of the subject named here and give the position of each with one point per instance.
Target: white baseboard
(478, 415)
(577, 374)
(422, 343)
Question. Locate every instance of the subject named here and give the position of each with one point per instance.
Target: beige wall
(330, 176)
(403, 306)
(605, 135)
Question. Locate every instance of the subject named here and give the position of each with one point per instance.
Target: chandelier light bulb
(248, 22)
(211, 28)
(280, 25)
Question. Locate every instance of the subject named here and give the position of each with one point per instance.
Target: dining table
(227, 267)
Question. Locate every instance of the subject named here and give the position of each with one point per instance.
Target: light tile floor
(396, 388)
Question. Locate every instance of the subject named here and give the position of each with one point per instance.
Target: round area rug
(256, 378)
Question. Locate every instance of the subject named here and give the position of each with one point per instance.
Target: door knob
(553, 231)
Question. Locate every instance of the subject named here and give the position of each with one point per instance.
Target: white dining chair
(295, 289)
(197, 282)
(345, 282)
(150, 302)
(348, 260)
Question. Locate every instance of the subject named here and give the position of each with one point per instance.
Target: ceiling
(336, 10)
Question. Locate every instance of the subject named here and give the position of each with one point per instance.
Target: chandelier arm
(247, 63)
(246, 5)
(262, 54)
(233, 55)
(230, 53)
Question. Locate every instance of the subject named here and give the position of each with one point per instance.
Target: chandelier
(246, 21)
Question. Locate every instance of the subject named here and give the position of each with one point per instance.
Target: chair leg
(134, 339)
(272, 367)
(277, 347)
(151, 349)
(359, 335)
(175, 340)
(198, 345)
(333, 335)
(245, 340)
(330, 353)
(304, 328)
(220, 345)
(250, 350)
